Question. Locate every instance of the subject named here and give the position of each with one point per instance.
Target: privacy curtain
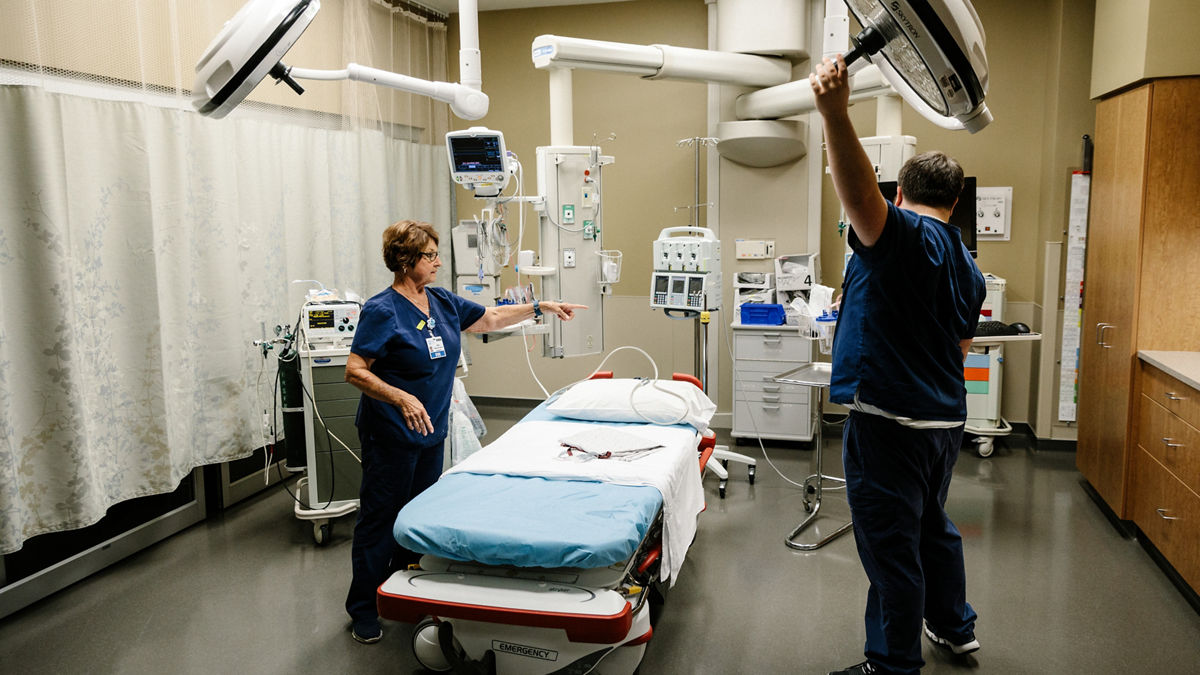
(143, 248)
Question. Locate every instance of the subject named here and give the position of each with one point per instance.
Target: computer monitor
(963, 215)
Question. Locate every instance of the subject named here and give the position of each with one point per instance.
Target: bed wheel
(985, 446)
(321, 532)
(750, 472)
(426, 648)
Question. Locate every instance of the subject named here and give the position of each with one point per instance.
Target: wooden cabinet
(1165, 473)
(1141, 283)
(761, 406)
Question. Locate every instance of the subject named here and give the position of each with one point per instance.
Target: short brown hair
(931, 179)
(403, 243)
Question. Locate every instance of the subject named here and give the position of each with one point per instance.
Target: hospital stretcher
(529, 574)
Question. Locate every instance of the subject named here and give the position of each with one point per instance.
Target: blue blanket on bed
(527, 522)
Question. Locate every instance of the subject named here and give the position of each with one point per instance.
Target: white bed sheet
(532, 449)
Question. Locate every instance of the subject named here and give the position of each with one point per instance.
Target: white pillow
(607, 400)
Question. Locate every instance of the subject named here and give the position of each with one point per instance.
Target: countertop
(1183, 366)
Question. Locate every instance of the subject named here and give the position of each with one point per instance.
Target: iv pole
(718, 463)
(701, 332)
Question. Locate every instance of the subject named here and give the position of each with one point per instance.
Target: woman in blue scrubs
(403, 360)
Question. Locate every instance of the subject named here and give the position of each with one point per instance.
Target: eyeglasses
(430, 255)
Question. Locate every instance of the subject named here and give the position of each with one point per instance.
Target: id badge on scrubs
(437, 350)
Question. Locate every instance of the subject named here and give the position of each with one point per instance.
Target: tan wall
(1040, 102)
(650, 177)
(1137, 40)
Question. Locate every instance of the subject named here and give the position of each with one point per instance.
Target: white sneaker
(965, 648)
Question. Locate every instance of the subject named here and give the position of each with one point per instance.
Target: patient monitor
(478, 160)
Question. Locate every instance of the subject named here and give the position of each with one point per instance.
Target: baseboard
(505, 402)
(1168, 569)
(55, 577)
(1125, 527)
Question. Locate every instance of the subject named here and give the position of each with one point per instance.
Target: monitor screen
(477, 154)
(963, 215)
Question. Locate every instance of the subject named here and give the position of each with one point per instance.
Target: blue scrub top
(907, 302)
(388, 333)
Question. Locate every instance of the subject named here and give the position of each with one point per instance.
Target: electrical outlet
(568, 258)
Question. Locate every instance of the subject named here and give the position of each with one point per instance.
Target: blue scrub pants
(391, 476)
(897, 479)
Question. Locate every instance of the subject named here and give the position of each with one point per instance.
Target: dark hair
(403, 243)
(931, 179)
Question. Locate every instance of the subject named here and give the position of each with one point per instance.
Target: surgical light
(251, 45)
(932, 52)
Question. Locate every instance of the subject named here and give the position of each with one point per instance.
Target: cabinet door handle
(1100, 334)
(1172, 396)
(1162, 513)
(1167, 442)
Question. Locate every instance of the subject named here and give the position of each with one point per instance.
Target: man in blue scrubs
(910, 304)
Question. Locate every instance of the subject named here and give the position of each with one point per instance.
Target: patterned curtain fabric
(142, 250)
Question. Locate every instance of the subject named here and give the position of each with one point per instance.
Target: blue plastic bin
(764, 314)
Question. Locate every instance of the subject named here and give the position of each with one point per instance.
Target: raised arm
(503, 316)
(853, 176)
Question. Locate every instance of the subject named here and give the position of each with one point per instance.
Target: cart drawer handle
(1162, 513)
(1171, 396)
(770, 407)
(1167, 442)
(770, 387)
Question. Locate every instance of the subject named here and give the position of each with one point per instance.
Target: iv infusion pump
(685, 291)
(687, 270)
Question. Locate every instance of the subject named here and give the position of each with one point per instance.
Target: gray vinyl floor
(1057, 588)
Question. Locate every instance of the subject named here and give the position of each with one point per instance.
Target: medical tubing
(274, 442)
(632, 392)
(738, 382)
(267, 445)
(530, 363)
(317, 413)
(328, 434)
(284, 351)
